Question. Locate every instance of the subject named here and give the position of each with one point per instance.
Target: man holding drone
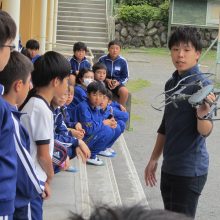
(183, 130)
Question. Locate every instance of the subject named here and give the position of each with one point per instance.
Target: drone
(177, 95)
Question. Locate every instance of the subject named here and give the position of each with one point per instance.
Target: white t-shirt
(40, 125)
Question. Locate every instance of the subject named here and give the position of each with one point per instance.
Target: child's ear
(56, 82)
(18, 85)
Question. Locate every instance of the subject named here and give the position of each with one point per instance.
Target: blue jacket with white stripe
(8, 159)
(61, 132)
(76, 66)
(116, 69)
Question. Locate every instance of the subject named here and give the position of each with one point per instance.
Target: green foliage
(138, 13)
(154, 3)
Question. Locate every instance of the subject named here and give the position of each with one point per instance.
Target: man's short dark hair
(185, 35)
(7, 28)
(96, 86)
(99, 66)
(114, 42)
(79, 46)
(136, 212)
(33, 44)
(18, 68)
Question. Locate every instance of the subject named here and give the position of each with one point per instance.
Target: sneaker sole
(90, 163)
(113, 155)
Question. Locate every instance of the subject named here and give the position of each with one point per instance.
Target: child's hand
(78, 134)
(78, 127)
(66, 164)
(47, 191)
(123, 108)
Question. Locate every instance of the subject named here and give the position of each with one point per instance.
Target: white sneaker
(96, 161)
(106, 153)
(111, 151)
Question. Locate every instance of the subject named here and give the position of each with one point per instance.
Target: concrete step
(80, 1)
(84, 38)
(84, 14)
(81, 23)
(85, 8)
(100, 5)
(116, 183)
(81, 28)
(82, 19)
(82, 33)
(92, 45)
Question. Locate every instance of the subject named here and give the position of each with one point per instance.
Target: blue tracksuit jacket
(8, 159)
(76, 66)
(28, 186)
(80, 95)
(116, 69)
(62, 134)
(118, 113)
(97, 135)
(66, 118)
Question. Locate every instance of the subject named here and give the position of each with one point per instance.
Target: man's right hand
(150, 173)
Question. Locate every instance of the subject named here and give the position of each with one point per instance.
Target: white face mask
(87, 81)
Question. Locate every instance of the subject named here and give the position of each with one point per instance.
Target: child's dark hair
(98, 66)
(81, 73)
(109, 94)
(7, 28)
(186, 35)
(47, 67)
(114, 42)
(137, 212)
(18, 68)
(96, 86)
(79, 46)
(32, 44)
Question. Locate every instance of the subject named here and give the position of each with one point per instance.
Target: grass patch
(150, 51)
(137, 85)
(217, 85)
(134, 118)
(136, 101)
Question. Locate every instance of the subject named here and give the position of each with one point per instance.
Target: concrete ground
(134, 153)
(140, 140)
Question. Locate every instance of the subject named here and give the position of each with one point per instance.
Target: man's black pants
(181, 194)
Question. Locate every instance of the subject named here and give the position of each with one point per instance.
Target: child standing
(8, 157)
(16, 78)
(79, 60)
(50, 78)
(117, 71)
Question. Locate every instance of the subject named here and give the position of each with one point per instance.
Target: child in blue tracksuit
(62, 134)
(114, 117)
(16, 79)
(100, 73)
(8, 157)
(32, 47)
(98, 136)
(83, 79)
(117, 71)
(79, 60)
